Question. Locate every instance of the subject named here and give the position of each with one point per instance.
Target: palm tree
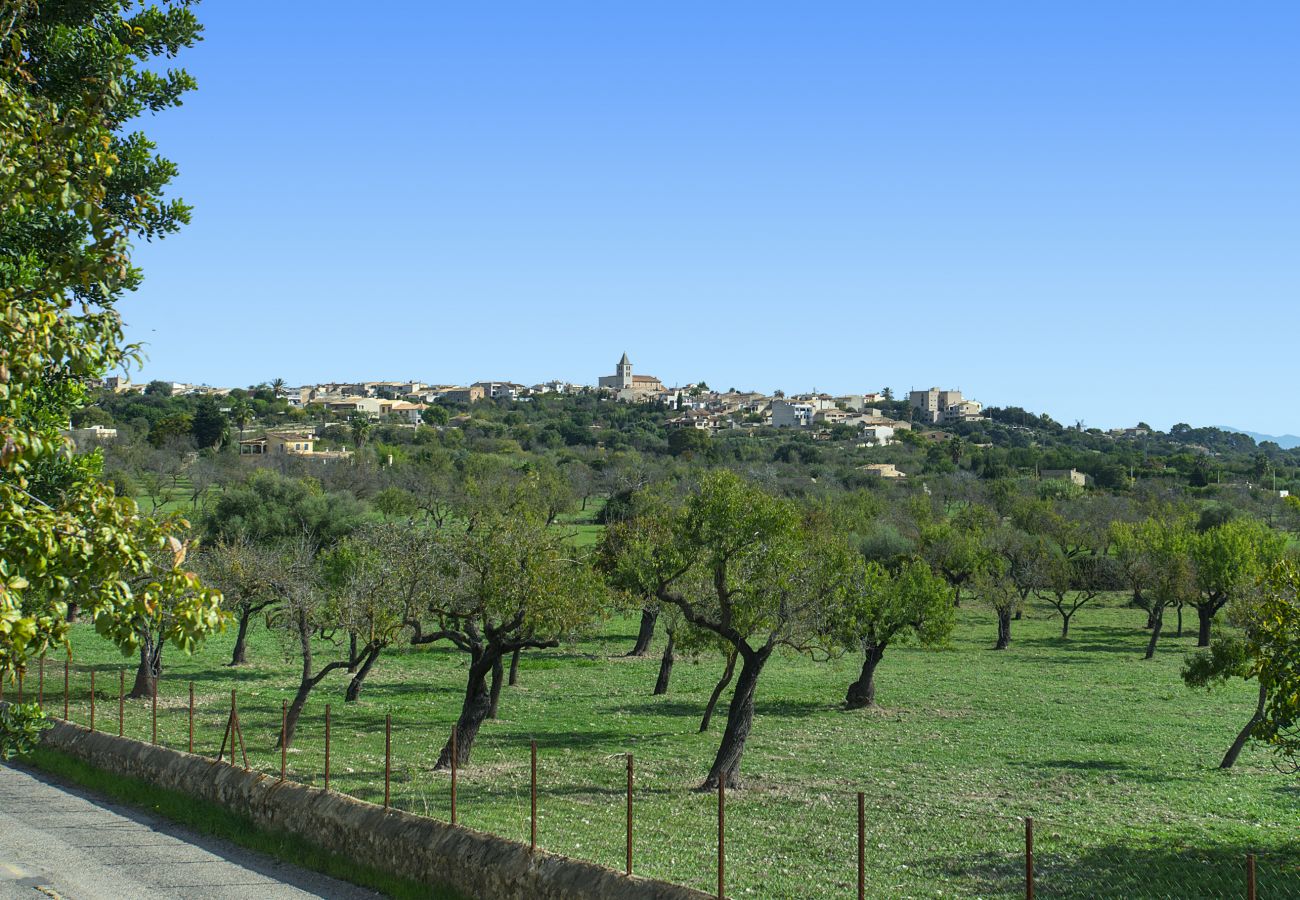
(241, 413)
(360, 425)
(277, 385)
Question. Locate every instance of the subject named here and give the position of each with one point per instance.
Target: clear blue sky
(1089, 209)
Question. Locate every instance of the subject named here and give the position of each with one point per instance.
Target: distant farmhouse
(627, 386)
(881, 470)
(1074, 476)
(83, 438)
(288, 443)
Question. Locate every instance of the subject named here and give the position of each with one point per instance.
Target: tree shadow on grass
(607, 742)
(236, 675)
(1108, 639)
(375, 694)
(1135, 645)
(1290, 791)
(1046, 768)
(1088, 765)
(1120, 872)
(791, 709)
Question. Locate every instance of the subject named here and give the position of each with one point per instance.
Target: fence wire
(911, 846)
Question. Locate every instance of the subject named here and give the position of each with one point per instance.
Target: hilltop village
(877, 416)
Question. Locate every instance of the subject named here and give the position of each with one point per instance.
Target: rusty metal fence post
(92, 699)
(722, 838)
(1029, 858)
(327, 746)
(239, 729)
(532, 795)
(191, 717)
(862, 846)
(229, 733)
(66, 665)
(233, 733)
(454, 729)
(1250, 877)
(234, 717)
(121, 702)
(40, 685)
(154, 712)
(388, 756)
(284, 732)
(629, 814)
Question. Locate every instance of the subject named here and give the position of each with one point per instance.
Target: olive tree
(1070, 583)
(954, 552)
(996, 588)
(744, 566)
(245, 571)
(1264, 647)
(1157, 551)
(1230, 558)
(881, 609)
(511, 583)
(306, 614)
(379, 581)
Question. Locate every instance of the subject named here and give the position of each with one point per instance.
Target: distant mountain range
(1285, 441)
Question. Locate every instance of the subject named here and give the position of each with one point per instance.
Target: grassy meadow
(1114, 758)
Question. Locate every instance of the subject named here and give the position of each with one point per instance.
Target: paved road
(58, 841)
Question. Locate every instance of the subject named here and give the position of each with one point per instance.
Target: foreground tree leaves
(75, 188)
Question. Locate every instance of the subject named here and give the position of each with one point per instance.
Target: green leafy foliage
(1274, 650)
(75, 188)
(21, 725)
(273, 507)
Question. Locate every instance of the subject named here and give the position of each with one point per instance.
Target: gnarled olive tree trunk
(307, 682)
(239, 656)
(666, 666)
(862, 693)
(474, 709)
(1205, 622)
(494, 692)
(1157, 623)
(369, 655)
(646, 633)
(721, 686)
(150, 667)
(740, 719)
(1244, 735)
(1004, 629)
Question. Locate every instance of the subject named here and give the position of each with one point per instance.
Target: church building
(628, 386)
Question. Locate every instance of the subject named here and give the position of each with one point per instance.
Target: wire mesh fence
(826, 842)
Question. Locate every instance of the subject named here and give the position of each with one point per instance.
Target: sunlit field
(1113, 757)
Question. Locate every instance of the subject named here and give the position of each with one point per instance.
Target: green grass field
(1114, 758)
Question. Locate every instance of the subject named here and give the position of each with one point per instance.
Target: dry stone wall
(474, 864)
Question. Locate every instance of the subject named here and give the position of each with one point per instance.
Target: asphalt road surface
(61, 842)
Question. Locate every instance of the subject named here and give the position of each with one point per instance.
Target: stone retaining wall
(472, 863)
